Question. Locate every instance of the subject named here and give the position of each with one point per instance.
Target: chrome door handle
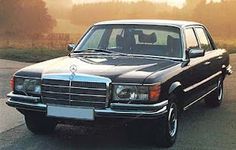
(207, 63)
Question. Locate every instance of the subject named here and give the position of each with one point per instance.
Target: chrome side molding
(202, 82)
(200, 98)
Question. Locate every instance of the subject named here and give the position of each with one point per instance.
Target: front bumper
(116, 110)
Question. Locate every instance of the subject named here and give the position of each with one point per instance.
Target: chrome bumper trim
(153, 107)
(25, 98)
(138, 111)
(130, 114)
(229, 70)
(21, 105)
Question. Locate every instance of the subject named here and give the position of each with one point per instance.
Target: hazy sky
(178, 3)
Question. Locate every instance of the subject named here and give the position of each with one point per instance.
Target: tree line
(219, 17)
(20, 18)
(27, 17)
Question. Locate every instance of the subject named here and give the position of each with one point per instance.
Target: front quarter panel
(170, 79)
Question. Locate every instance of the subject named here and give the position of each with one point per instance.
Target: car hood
(118, 69)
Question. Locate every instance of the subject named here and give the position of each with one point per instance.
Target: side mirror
(70, 47)
(193, 53)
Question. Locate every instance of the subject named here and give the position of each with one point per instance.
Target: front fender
(174, 86)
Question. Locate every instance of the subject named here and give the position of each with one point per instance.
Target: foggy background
(52, 24)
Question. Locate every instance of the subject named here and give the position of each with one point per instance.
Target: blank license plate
(70, 112)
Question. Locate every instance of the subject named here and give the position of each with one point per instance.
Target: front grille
(76, 93)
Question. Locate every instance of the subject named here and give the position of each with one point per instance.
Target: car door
(213, 58)
(196, 71)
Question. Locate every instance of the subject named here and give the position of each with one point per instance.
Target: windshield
(133, 39)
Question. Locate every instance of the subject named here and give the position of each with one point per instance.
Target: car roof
(176, 23)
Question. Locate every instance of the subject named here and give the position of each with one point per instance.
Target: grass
(30, 55)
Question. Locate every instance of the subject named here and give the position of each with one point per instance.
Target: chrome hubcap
(172, 120)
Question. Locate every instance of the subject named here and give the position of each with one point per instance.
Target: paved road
(9, 118)
(200, 127)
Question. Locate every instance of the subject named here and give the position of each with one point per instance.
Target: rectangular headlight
(29, 86)
(136, 93)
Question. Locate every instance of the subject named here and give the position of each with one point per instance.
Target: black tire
(216, 97)
(168, 127)
(40, 124)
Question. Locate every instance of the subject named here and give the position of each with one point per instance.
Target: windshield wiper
(100, 50)
(93, 50)
(153, 57)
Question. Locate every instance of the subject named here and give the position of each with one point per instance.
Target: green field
(31, 55)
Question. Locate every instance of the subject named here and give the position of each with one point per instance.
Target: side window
(191, 40)
(203, 39)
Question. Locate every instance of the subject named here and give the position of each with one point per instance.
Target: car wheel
(39, 123)
(168, 127)
(216, 97)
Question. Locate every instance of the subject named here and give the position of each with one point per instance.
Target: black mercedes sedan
(126, 70)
